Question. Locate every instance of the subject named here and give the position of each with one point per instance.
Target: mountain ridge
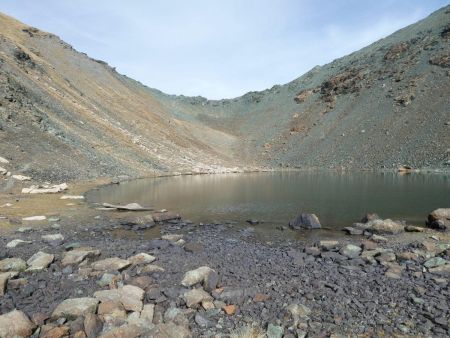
(82, 119)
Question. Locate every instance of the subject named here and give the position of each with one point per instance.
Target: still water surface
(339, 199)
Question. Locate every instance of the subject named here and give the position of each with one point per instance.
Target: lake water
(337, 198)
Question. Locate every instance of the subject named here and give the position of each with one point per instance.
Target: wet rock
(305, 221)
(196, 296)
(39, 261)
(92, 325)
(77, 255)
(196, 276)
(253, 221)
(165, 216)
(141, 258)
(53, 239)
(350, 251)
(353, 231)
(128, 207)
(411, 228)
(17, 242)
(4, 277)
(75, 307)
(111, 264)
(13, 264)
(386, 226)
(439, 224)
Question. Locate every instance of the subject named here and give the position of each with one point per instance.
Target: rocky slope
(65, 115)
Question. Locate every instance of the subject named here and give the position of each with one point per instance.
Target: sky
(218, 48)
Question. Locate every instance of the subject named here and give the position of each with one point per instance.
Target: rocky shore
(108, 279)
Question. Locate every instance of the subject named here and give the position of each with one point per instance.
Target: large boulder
(386, 226)
(305, 221)
(439, 219)
(15, 324)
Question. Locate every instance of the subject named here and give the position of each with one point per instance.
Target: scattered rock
(329, 245)
(128, 207)
(439, 219)
(350, 251)
(3, 160)
(141, 258)
(77, 255)
(274, 331)
(369, 217)
(129, 296)
(353, 231)
(72, 197)
(435, 262)
(34, 218)
(45, 189)
(378, 239)
(13, 264)
(21, 177)
(4, 277)
(193, 247)
(53, 239)
(443, 270)
(39, 261)
(17, 242)
(75, 307)
(299, 311)
(411, 228)
(165, 216)
(111, 264)
(196, 276)
(15, 324)
(230, 309)
(305, 221)
(196, 296)
(92, 325)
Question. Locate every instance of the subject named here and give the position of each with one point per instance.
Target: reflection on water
(339, 199)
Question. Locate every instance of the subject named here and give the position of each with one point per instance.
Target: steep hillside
(64, 115)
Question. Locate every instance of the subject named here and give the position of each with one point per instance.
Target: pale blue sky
(218, 49)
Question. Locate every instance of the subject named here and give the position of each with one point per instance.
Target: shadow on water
(338, 198)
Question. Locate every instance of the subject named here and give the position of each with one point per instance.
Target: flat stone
(53, 239)
(378, 239)
(230, 309)
(72, 197)
(75, 307)
(15, 324)
(193, 247)
(148, 312)
(152, 268)
(350, 251)
(111, 264)
(353, 231)
(412, 228)
(196, 296)
(45, 189)
(329, 245)
(443, 270)
(21, 177)
(77, 255)
(434, 262)
(172, 237)
(3, 160)
(127, 331)
(141, 258)
(17, 242)
(24, 229)
(129, 296)
(34, 218)
(39, 261)
(196, 276)
(4, 277)
(128, 207)
(13, 264)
